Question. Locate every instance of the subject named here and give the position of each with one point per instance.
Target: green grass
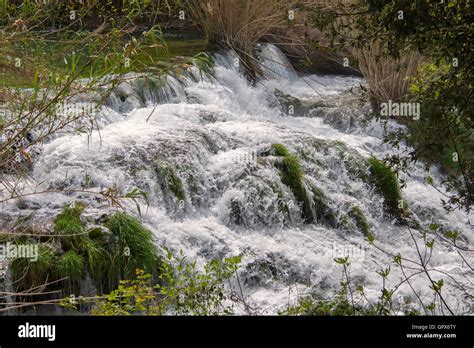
(70, 265)
(28, 273)
(135, 247)
(68, 224)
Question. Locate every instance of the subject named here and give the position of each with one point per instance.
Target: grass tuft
(68, 224)
(70, 265)
(135, 248)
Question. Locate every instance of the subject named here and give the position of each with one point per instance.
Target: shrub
(184, 290)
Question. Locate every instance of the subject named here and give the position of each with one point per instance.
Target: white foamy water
(216, 134)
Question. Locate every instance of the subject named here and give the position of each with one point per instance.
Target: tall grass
(239, 24)
(388, 78)
(342, 22)
(135, 247)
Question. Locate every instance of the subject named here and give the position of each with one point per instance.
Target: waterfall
(214, 135)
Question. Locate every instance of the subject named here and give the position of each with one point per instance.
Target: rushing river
(215, 135)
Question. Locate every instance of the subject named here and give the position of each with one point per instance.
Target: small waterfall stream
(215, 135)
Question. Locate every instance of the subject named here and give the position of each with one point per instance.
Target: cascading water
(201, 149)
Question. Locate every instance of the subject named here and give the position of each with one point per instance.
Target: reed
(239, 24)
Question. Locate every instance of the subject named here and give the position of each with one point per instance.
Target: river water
(214, 134)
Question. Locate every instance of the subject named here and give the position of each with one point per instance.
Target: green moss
(135, 247)
(324, 213)
(70, 265)
(171, 180)
(355, 166)
(292, 176)
(345, 221)
(71, 229)
(280, 150)
(385, 182)
(360, 220)
(282, 206)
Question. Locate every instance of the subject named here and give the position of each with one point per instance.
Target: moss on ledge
(360, 220)
(384, 180)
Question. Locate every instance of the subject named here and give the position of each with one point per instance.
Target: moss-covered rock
(295, 107)
(236, 213)
(280, 150)
(357, 215)
(292, 176)
(282, 205)
(384, 180)
(324, 213)
(170, 180)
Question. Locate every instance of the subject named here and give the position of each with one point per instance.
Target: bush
(184, 290)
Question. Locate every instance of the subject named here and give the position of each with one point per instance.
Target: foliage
(71, 229)
(132, 297)
(292, 176)
(71, 253)
(29, 274)
(70, 265)
(134, 246)
(183, 290)
(441, 33)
